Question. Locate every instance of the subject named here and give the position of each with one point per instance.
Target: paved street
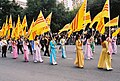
(17, 70)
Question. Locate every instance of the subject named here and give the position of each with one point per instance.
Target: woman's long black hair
(77, 36)
(103, 38)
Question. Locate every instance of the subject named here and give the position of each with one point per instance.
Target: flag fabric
(6, 27)
(113, 22)
(106, 11)
(40, 26)
(24, 22)
(13, 32)
(78, 21)
(9, 27)
(17, 28)
(65, 28)
(10, 22)
(96, 19)
(87, 18)
(100, 26)
(116, 32)
(69, 33)
(48, 19)
(2, 30)
(40, 22)
(31, 26)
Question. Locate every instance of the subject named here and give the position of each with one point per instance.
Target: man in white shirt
(4, 47)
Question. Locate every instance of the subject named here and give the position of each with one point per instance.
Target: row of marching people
(35, 47)
(51, 48)
(109, 47)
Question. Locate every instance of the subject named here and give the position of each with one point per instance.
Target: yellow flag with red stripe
(24, 22)
(87, 18)
(31, 26)
(48, 19)
(10, 22)
(65, 28)
(105, 11)
(96, 19)
(113, 22)
(100, 26)
(2, 30)
(18, 28)
(78, 21)
(116, 32)
(40, 22)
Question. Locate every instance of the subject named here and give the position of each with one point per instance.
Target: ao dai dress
(37, 55)
(62, 42)
(79, 61)
(53, 52)
(114, 46)
(14, 47)
(88, 50)
(105, 59)
(26, 51)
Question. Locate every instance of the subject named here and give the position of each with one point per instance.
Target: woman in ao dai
(62, 42)
(37, 55)
(53, 51)
(79, 61)
(26, 50)
(14, 48)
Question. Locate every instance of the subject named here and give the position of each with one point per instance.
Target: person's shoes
(41, 61)
(45, 55)
(35, 61)
(81, 67)
(100, 68)
(109, 69)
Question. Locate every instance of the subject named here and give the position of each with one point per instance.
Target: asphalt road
(17, 70)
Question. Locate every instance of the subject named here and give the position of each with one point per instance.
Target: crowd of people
(48, 45)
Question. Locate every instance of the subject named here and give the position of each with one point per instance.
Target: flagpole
(84, 19)
(109, 17)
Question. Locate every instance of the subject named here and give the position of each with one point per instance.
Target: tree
(9, 7)
(60, 17)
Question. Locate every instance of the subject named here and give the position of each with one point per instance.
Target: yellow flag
(31, 26)
(6, 27)
(10, 22)
(96, 19)
(24, 22)
(40, 22)
(48, 19)
(116, 32)
(87, 18)
(17, 29)
(105, 11)
(13, 33)
(100, 26)
(113, 22)
(69, 33)
(2, 30)
(78, 21)
(65, 28)
(32, 35)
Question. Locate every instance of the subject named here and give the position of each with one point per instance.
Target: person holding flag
(53, 51)
(62, 42)
(14, 47)
(37, 55)
(105, 59)
(79, 61)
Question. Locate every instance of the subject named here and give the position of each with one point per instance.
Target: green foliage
(60, 16)
(9, 7)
